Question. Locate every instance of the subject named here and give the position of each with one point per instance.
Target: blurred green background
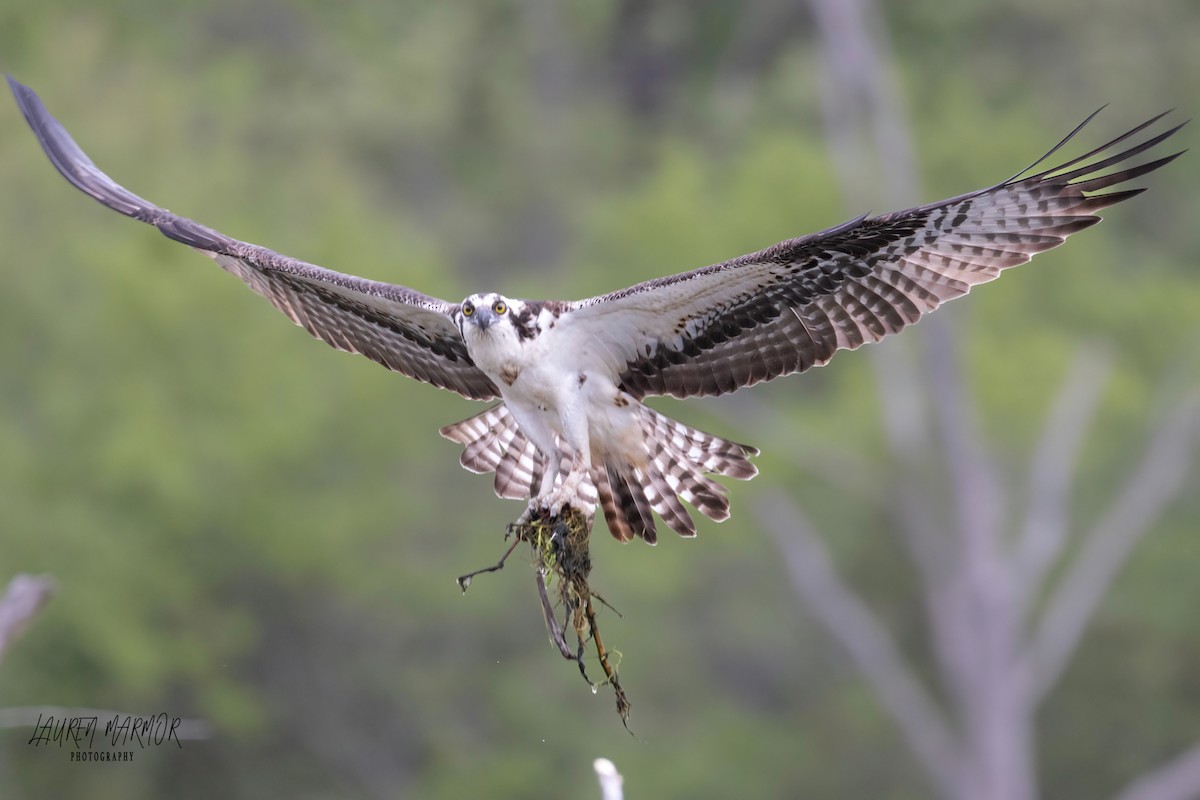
(251, 528)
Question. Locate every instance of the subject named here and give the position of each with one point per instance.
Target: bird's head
(488, 314)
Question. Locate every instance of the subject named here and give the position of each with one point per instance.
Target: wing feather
(790, 307)
(402, 329)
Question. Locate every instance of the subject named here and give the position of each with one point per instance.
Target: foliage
(248, 527)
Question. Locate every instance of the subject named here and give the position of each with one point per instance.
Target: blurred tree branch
(1147, 492)
(25, 597)
(1047, 518)
(851, 621)
(980, 588)
(1179, 779)
(852, 473)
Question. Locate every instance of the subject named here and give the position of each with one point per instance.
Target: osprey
(572, 426)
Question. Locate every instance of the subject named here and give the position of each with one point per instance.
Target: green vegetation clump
(562, 561)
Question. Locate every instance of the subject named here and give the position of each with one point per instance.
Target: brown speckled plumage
(710, 331)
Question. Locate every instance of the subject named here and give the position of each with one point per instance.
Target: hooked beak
(483, 318)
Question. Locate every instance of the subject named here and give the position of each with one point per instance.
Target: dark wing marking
(792, 306)
(400, 328)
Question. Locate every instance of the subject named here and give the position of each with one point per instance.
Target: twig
(557, 637)
(464, 581)
(623, 704)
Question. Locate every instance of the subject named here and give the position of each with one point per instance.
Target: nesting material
(562, 563)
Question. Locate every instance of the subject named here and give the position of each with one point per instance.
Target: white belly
(552, 396)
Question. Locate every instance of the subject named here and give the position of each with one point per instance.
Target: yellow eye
(499, 307)
(468, 309)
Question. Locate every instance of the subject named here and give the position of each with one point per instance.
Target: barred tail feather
(494, 443)
(630, 504)
(618, 525)
(679, 461)
(664, 500)
(676, 470)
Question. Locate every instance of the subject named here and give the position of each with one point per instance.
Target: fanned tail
(494, 443)
(679, 462)
(676, 468)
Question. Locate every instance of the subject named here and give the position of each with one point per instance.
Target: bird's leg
(553, 467)
(567, 492)
(546, 443)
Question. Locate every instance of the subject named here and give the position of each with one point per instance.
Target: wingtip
(27, 99)
(17, 88)
(20, 91)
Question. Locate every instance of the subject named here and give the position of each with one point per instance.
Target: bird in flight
(572, 427)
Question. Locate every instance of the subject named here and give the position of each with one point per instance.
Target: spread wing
(792, 306)
(402, 329)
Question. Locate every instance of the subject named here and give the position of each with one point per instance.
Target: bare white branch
(902, 406)
(861, 78)
(984, 632)
(977, 490)
(25, 597)
(1178, 779)
(860, 92)
(1156, 482)
(1046, 521)
(848, 619)
(611, 782)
